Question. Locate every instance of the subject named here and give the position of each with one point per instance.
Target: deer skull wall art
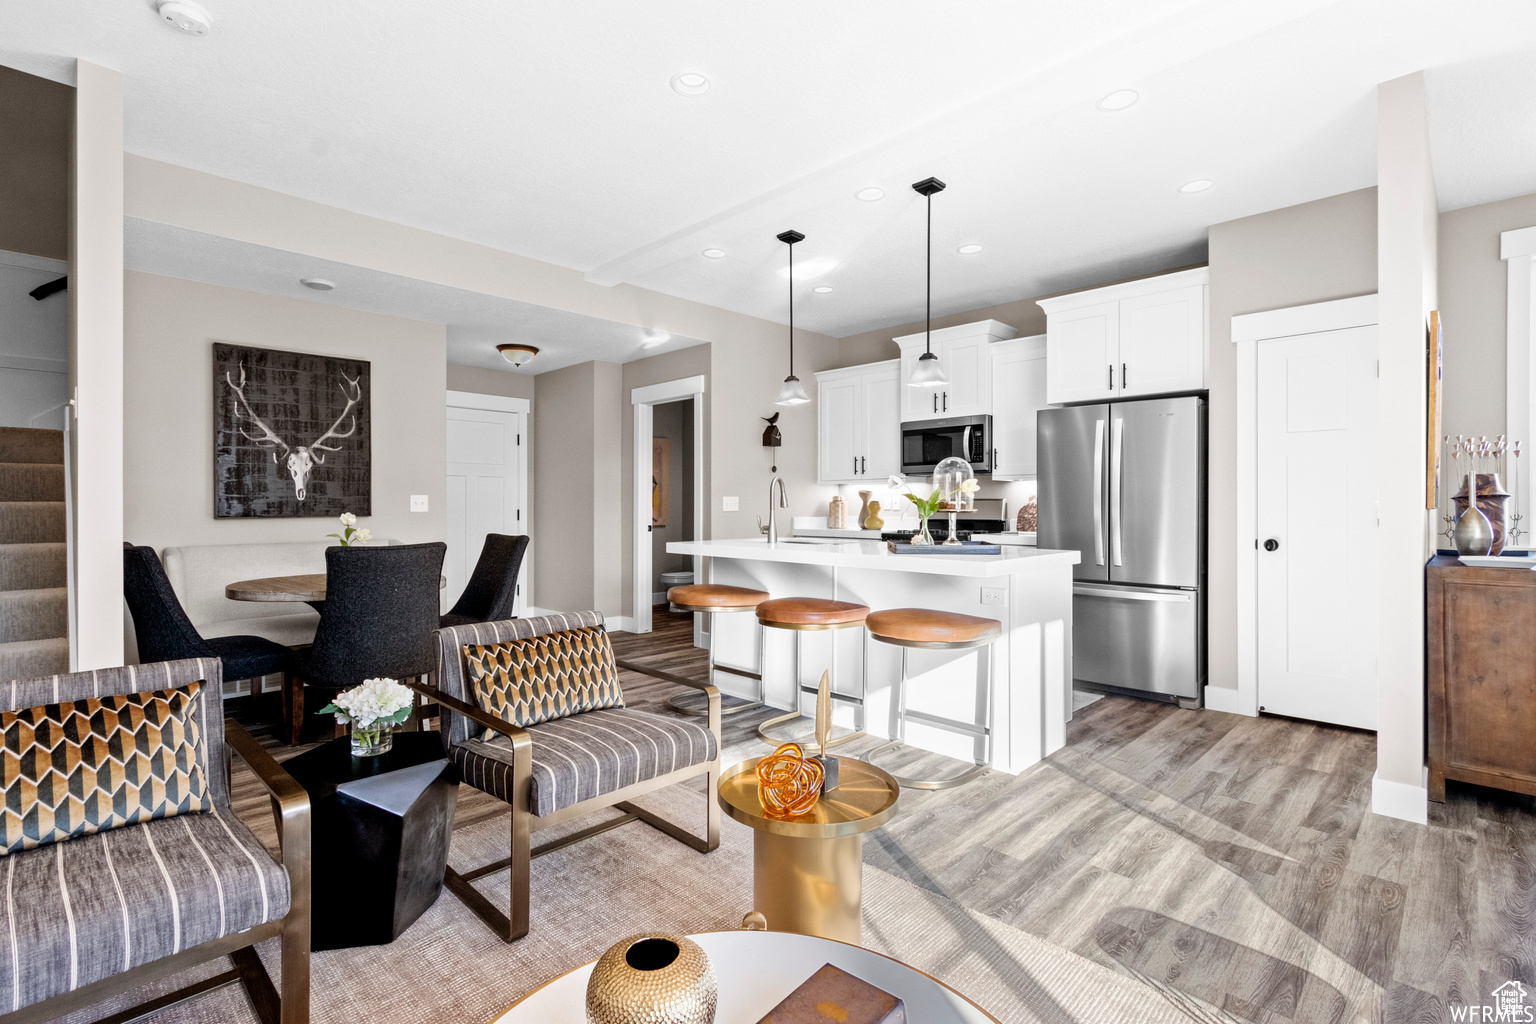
(300, 459)
(292, 433)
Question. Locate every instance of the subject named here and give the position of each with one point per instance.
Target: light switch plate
(418, 503)
(730, 504)
(994, 595)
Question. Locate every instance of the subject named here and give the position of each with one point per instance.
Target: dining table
(306, 587)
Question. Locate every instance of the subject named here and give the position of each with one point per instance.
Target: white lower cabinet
(1018, 394)
(858, 423)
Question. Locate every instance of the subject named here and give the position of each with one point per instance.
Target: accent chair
(566, 767)
(105, 912)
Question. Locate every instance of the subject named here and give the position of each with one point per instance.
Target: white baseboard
(619, 623)
(1220, 698)
(659, 597)
(1400, 800)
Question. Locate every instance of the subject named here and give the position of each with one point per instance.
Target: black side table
(381, 827)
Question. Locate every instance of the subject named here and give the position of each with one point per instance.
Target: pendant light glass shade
(928, 373)
(791, 392)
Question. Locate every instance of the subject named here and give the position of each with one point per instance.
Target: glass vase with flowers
(373, 710)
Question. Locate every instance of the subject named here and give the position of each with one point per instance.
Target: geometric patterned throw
(86, 766)
(544, 677)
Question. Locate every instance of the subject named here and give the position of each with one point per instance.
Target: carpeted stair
(34, 615)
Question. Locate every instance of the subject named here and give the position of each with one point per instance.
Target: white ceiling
(548, 129)
(477, 323)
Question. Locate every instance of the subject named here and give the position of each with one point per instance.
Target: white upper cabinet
(1147, 337)
(963, 352)
(858, 423)
(1018, 393)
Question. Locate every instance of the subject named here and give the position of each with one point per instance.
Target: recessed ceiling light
(869, 195)
(517, 355)
(1198, 185)
(654, 336)
(968, 249)
(1119, 100)
(822, 289)
(319, 284)
(715, 254)
(690, 83)
(184, 16)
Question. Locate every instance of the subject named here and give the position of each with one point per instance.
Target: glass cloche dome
(950, 477)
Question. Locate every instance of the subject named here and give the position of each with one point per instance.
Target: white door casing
(487, 484)
(1316, 506)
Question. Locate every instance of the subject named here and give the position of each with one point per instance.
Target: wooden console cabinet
(1481, 674)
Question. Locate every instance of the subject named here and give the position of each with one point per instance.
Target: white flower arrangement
(349, 535)
(377, 702)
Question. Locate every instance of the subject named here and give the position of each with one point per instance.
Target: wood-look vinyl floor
(1231, 863)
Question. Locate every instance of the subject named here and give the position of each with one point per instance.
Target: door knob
(1271, 545)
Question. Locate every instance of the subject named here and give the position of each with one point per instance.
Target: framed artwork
(291, 434)
(661, 461)
(1435, 401)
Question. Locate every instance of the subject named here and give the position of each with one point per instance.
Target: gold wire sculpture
(788, 783)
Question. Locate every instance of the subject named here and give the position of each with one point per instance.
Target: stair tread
(40, 614)
(31, 481)
(32, 659)
(26, 444)
(33, 566)
(23, 522)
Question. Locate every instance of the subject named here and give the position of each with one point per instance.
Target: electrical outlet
(418, 503)
(994, 595)
(730, 504)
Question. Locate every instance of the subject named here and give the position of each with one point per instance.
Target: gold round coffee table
(808, 871)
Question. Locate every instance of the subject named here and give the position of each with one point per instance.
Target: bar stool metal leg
(696, 703)
(800, 691)
(983, 732)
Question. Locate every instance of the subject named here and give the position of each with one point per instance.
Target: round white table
(756, 970)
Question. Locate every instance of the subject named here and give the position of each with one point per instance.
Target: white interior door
(486, 480)
(1316, 519)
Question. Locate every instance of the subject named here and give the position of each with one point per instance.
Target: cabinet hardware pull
(855, 465)
(1125, 378)
(935, 401)
(946, 401)
(863, 464)
(1111, 376)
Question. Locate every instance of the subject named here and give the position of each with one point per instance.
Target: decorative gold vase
(652, 978)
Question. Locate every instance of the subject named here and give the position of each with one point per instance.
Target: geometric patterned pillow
(90, 765)
(544, 677)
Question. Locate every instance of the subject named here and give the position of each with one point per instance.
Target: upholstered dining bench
(572, 763)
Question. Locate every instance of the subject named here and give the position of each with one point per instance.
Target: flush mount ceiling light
(715, 254)
(517, 355)
(822, 289)
(184, 16)
(1118, 100)
(654, 336)
(869, 195)
(967, 250)
(791, 392)
(319, 284)
(690, 83)
(928, 373)
(1198, 185)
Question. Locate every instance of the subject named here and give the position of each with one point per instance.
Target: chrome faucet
(772, 529)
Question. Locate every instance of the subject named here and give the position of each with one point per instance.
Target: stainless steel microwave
(926, 443)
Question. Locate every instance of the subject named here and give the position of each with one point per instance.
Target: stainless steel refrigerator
(1124, 483)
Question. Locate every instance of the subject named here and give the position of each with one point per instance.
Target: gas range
(938, 528)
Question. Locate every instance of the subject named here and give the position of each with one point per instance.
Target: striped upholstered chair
(567, 767)
(102, 913)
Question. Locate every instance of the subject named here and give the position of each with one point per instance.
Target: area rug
(449, 967)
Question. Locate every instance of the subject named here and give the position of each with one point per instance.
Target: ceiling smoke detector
(319, 284)
(184, 16)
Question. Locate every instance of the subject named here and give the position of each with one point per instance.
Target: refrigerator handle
(1117, 437)
(1098, 492)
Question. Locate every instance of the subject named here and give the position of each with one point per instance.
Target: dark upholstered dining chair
(564, 768)
(492, 587)
(165, 633)
(380, 610)
(101, 914)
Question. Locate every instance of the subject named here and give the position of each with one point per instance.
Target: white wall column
(1407, 275)
(96, 363)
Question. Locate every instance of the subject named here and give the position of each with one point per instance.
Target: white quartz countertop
(873, 554)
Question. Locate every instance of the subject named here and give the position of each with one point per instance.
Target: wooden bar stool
(713, 599)
(938, 631)
(807, 614)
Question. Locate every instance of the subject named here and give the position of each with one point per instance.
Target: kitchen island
(1028, 590)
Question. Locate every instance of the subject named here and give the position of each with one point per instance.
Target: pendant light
(792, 392)
(928, 373)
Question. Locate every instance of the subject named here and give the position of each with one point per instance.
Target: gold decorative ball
(652, 978)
